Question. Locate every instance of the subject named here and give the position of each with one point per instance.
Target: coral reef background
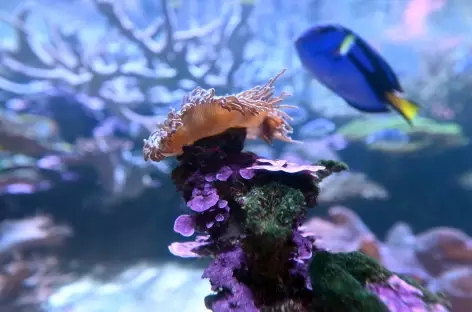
(86, 223)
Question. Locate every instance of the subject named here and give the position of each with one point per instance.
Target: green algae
(338, 281)
(271, 209)
(424, 133)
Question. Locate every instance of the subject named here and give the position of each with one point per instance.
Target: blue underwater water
(86, 224)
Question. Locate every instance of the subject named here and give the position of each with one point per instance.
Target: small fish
(351, 68)
(390, 135)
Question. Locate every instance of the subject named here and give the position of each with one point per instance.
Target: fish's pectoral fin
(346, 45)
(407, 108)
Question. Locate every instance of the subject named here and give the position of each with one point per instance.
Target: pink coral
(284, 166)
(440, 258)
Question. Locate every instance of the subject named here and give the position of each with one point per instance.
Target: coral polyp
(203, 114)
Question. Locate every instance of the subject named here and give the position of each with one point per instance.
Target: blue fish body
(359, 75)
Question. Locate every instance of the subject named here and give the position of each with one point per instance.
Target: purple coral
(192, 249)
(233, 295)
(185, 225)
(399, 296)
(205, 201)
(224, 173)
(247, 173)
(221, 175)
(304, 243)
(203, 198)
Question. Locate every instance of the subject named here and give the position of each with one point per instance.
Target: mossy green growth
(363, 268)
(334, 165)
(338, 281)
(271, 209)
(424, 133)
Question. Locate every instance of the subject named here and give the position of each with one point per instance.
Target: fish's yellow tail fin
(408, 109)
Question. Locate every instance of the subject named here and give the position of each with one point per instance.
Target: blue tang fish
(351, 68)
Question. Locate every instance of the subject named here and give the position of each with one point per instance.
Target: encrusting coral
(251, 209)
